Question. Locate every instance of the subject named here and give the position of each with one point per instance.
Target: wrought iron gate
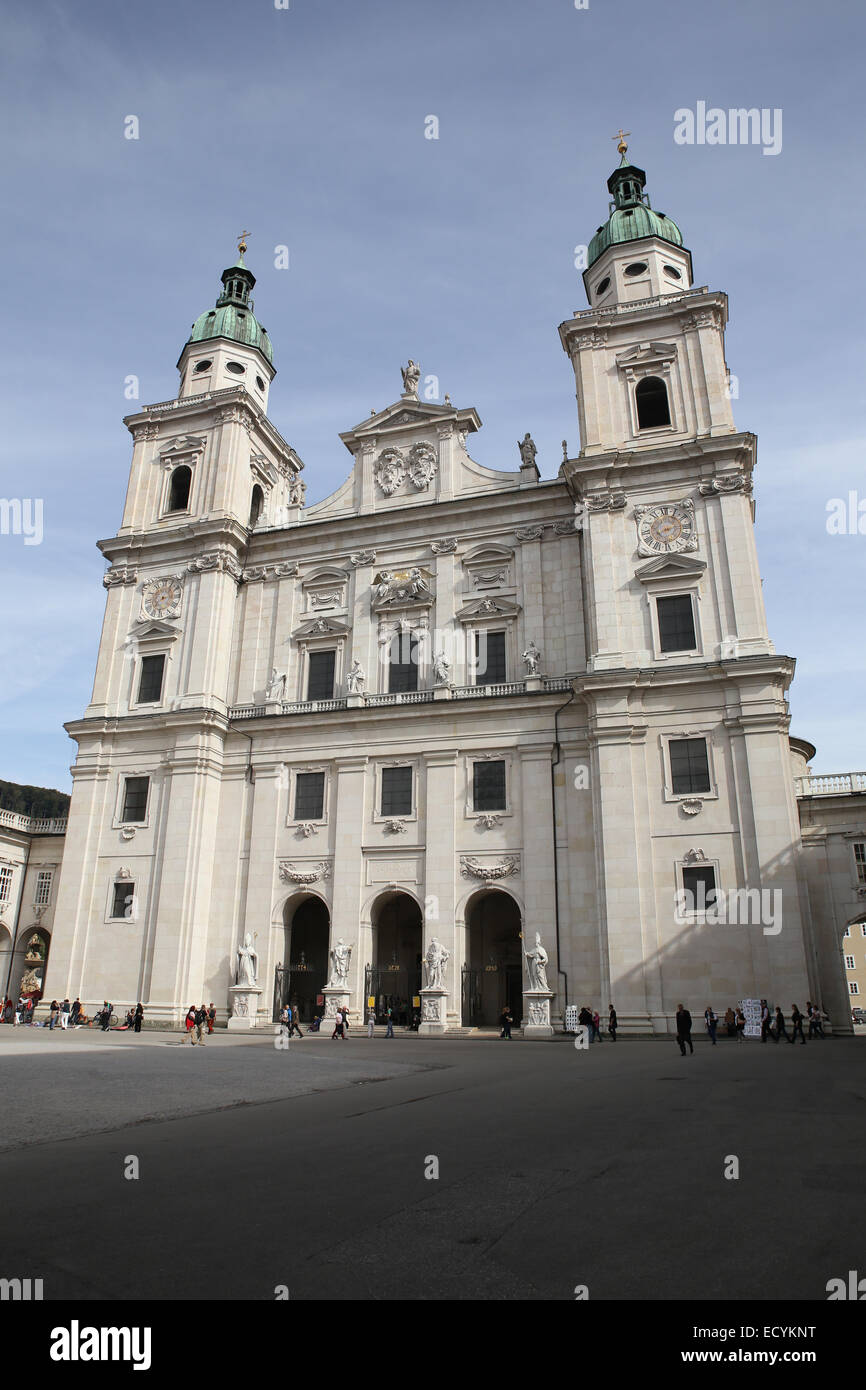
(282, 976)
(471, 996)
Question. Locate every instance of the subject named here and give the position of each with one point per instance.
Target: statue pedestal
(536, 1013)
(245, 1005)
(442, 692)
(335, 997)
(354, 700)
(273, 706)
(434, 1006)
(534, 683)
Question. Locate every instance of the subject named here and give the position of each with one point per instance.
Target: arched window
(178, 493)
(651, 399)
(257, 502)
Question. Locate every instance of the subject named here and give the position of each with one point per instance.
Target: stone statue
(527, 448)
(355, 679)
(435, 960)
(297, 492)
(411, 376)
(276, 687)
(441, 669)
(536, 965)
(340, 956)
(383, 588)
(417, 583)
(248, 962)
(532, 659)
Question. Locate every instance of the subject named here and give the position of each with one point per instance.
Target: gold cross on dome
(620, 136)
(242, 242)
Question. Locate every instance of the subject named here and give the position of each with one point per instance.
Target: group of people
(587, 1018)
(772, 1025)
(197, 1019)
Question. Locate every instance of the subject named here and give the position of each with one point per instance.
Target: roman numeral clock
(664, 528)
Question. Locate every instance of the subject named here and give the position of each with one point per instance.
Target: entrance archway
(304, 972)
(29, 962)
(394, 980)
(493, 974)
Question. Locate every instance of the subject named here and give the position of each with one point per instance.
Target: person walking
(684, 1029)
(612, 1023)
(779, 1030)
(711, 1022)
(189, 1023)
(345, 1013)
(138, 1017)
(107, 1009)
(730, 1022)
(211, 1017)
(65, 1008)
(75, 1012)
(19, 1011)
(338, 1026)
(797, 1025)
(506, 1021)
(596, 1027)
(741, 1025)
(819, 1016)
(371, 1024)
(200, 1022)
(53, 1014)
(294, 1021)
(765, 1020)
(389, 1031)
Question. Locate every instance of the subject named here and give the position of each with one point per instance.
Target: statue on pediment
(527, 448)
(411, 376)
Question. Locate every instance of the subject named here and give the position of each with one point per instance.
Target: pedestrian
(53, 1014)
(371, 1024)
(189, 1023)
(338, 1026)
(779, 1030)
(389, 1031)
(75, 1012)
(345, 1013)
(712, 1023)
(19, 1011)
(106, 1015)
(596, 1028)
(730, 1022)
(765, 1020)
(819, 1016)
(612, 1023)
(506, 1021)
(584, 1018)
(294, 1021)
(797, 1025)
(684, 1029)
(741, 1025)
(200, 1021)
(815, 1029)
(211, 1018)
(65, 1008)
(138, 1017)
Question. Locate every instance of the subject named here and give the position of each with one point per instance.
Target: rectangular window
(43, 887)
(396, 791)
(849, 962)
(135, 798)
(123, 895)
(489, 658)
(310, 796)
(847, 931)
(150, 683)
(690, 767)
(676, 624)
(488, 786)
(700, 884)
(320, 676)
(860, 861)
(5, 885)
(863, 929)
(853, 987)
(403, 664)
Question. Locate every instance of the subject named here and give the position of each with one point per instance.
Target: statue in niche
(532, 659)
(441, 669)
(276, 686)
(248, 962)
(355, 679)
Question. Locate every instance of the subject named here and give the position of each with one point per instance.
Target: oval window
(260, 383)
(237, 367)
(203, 366)
(672, 271)
(636, 268)
(602, 286)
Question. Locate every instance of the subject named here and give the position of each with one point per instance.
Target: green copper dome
(233, 317)
(631, 216)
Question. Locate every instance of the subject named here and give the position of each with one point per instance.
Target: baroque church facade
(453, 737)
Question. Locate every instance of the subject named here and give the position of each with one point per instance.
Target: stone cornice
(165, 417)
(174, 544)
(697, 462)
(659, 309)
(744, 668)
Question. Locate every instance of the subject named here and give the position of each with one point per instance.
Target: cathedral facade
(453, 738)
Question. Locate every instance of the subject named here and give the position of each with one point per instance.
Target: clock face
(666, 528)
(162, 598)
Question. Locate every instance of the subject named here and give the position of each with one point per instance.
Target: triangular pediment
(645, 353)
(320, 627)
(153, 630)
(411, 414)
(671, 567)
(483, 608)
(183, 444)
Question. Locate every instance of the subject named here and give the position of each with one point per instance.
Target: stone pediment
(482, 608)
(410, 414)
(320, 627)
(667, 567)
(646, 354)
(182, 444)
(152, 631)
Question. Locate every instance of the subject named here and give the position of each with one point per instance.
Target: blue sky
(306, 125)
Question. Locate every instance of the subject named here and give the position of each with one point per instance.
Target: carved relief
(120, 574)
(290, 874)
(504, 868)
(727, 482)
(446, 546)
(390, 471)
(423, 466)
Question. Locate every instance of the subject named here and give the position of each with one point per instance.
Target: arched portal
(29, 962)
(394, 981)
(5, 962)
(493, 974)
(304, 974)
